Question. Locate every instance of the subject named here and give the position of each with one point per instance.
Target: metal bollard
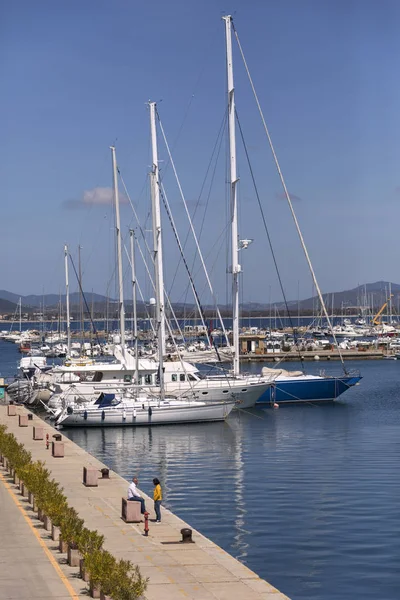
(186, 536)
(146, 523)
(47, 441)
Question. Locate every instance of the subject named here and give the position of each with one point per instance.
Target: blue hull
(326, 389)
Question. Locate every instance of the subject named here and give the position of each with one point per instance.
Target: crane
(377, 319)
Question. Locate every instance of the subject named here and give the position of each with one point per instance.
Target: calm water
(308, 496)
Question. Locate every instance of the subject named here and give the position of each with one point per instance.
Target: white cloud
(98, 196)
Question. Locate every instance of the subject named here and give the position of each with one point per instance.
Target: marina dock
(314, 355)
(176, 571)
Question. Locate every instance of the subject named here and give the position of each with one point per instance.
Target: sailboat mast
(233, 195)
(81, 298)
(20, 314)
(119, 251)
(157, 239)
(135, 331)
(67, 301)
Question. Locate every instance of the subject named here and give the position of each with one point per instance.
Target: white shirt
(132, 491)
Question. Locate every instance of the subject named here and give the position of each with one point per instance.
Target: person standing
(157, 496)
(134, 495)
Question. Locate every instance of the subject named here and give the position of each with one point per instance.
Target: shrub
(71, 526)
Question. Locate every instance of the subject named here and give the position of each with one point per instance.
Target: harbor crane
(378, 317)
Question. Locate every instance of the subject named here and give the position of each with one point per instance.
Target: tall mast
(80, 296)
(157, 241)
(119, 251)
(67, 301)
(135, 332)
(20, 314)
(233, 196)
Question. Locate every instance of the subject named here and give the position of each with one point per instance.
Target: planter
(31, 499)
(16, 479)
(40, 515)
(11, 410)
(104, 597)
(82, 571)
(55, 533)
(24, 490)
(73, 556)
(94, 590)
(62, 546)
(47, 523)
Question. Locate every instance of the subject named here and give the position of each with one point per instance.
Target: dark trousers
(157, 508)
(142, 504)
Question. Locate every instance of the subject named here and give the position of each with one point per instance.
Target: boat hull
(135, 417)
(300, 390)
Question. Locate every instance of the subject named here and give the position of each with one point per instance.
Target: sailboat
(290, 387)
(135, 406)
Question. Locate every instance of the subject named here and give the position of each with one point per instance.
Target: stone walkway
(28, 566)
(199, 571)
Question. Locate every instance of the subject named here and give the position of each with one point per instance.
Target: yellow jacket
(157, 493)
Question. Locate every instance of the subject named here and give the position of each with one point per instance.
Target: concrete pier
(176, 571)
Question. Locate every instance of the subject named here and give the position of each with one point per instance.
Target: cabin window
(174, 377)
(244, 390)
(147, 379)
(182, 377)
(127, 378)
(98, 376)
(204, 393)
(191, 377)
(225, 391)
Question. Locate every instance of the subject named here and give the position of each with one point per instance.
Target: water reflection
(306, 496)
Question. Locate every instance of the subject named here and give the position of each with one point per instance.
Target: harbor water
(306, 496)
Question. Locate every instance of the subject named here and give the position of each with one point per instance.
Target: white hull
(245, 392)
(147, 414)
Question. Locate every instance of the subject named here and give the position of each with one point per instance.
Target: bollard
(30, 417)
(146, 523)
(23, 420)
(105, 473)
(47, 441)
(186, 536)
(37, 432)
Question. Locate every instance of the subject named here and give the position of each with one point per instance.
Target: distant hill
(50, 300)
(6, 306)
(370, 294)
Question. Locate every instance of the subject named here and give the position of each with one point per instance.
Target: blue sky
(76, 77)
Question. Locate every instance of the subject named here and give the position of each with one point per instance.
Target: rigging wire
(269, 241)
(85, 301)
(287, 195)
(193, 231)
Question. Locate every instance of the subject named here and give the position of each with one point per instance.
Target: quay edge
(195, 571)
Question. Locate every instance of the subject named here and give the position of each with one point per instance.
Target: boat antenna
(287, 196)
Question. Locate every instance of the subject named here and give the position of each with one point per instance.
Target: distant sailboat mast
(67, 301)
(119, 251)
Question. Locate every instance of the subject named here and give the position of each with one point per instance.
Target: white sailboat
(135, 406)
